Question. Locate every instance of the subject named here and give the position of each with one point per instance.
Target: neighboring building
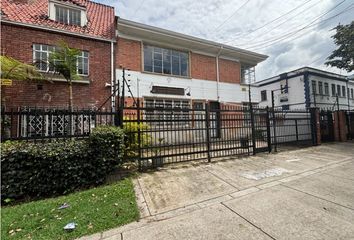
(307, 87)
(172, 69)
(30, 30)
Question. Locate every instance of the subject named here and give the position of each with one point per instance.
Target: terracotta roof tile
(100, 17)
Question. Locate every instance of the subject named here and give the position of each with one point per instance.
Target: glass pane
(166, 61)
(157, 66)
(184, 64)
(148, 58)
(175, 66)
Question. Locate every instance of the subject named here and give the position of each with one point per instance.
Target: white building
(307, 87)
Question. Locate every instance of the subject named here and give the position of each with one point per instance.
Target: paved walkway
(297, 194)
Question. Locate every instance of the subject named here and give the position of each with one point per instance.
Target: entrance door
(326, 125)
(215, 120)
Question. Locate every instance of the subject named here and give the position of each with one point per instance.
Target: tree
(64, 62)
(16, 70)
(343, 56)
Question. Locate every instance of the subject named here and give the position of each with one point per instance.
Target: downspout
(113, 85)
(218, 73)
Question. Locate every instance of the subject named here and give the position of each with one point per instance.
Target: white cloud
(202, 18)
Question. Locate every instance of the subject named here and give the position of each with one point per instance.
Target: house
(30, 30)
(165, 67)
(307, 87)
(169, 69)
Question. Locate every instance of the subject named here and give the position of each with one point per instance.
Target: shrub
(107, 143)
(131, 137)
(47, 169)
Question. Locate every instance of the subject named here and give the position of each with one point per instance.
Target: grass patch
(93, 210)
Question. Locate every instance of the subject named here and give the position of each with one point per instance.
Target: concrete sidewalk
(299, 194)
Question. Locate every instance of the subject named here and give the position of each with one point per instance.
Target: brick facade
(230, 71)
(203, 67)
(128, 54)
(17, 42)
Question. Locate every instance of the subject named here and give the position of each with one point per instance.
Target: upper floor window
(343, 91)
(333, 90)
(338, 90)
(166, 61)
(314, 90)
(264, 95)
(41, 54)
(67, 15)
(320, 88)
(326, 89)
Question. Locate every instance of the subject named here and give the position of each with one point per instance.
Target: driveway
(297, 194)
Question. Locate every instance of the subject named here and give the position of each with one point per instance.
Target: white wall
(295, 95)
(199, 89)
(330, 101)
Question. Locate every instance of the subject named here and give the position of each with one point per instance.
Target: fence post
(139, 133)
(274, 130)
(207, 127)
(313, 114)
(252, 129)
(269, 140)
(297, 131)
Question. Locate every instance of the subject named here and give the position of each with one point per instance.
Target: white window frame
(68, 11)
(41, 46)
(163, 49)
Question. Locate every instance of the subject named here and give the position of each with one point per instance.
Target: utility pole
(274, 124)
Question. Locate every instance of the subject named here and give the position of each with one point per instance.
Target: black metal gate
(350, 124)
(326, 126)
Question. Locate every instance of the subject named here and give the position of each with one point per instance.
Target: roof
(127, 28)
(100, 24)
(301, 71)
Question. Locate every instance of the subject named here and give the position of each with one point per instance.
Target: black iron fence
(41, 124)
(350, 124)
(162, 135)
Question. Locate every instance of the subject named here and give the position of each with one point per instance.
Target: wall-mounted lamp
(107, 84)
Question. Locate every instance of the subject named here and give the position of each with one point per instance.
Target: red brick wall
(128, 54)
(229, 71)
(340, 128)
(203, 67)
(17, 42)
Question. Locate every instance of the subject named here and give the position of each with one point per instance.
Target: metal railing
(157, 136)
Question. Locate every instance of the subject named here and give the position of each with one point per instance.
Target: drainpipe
(218, 73)
(113, 85)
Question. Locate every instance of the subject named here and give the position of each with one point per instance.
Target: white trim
(151, 29)
(57, 30)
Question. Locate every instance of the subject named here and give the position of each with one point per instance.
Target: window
(338, 90)
(166, 61)
(320, 88)
(264, 95)
(343, 91)
(314, 91)
(82, 63)
(41, 55)
(67, 15)
(352, 93)
(333, 90)
(285, 107)
(167, 111)
(326, 89)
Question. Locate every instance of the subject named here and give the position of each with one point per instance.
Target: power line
(138, 8)
(283, 22)
(221, 24)
(311, 24)
(285, 37)
(274, 20)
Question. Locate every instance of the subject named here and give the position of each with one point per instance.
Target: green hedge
(53, 168)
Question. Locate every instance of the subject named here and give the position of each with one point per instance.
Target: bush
(131, 137)
(107, 143)
(47, 169)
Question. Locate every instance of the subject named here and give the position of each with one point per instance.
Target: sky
(293, 33)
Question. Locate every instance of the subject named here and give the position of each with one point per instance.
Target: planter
(244, 142)
(157, 162)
